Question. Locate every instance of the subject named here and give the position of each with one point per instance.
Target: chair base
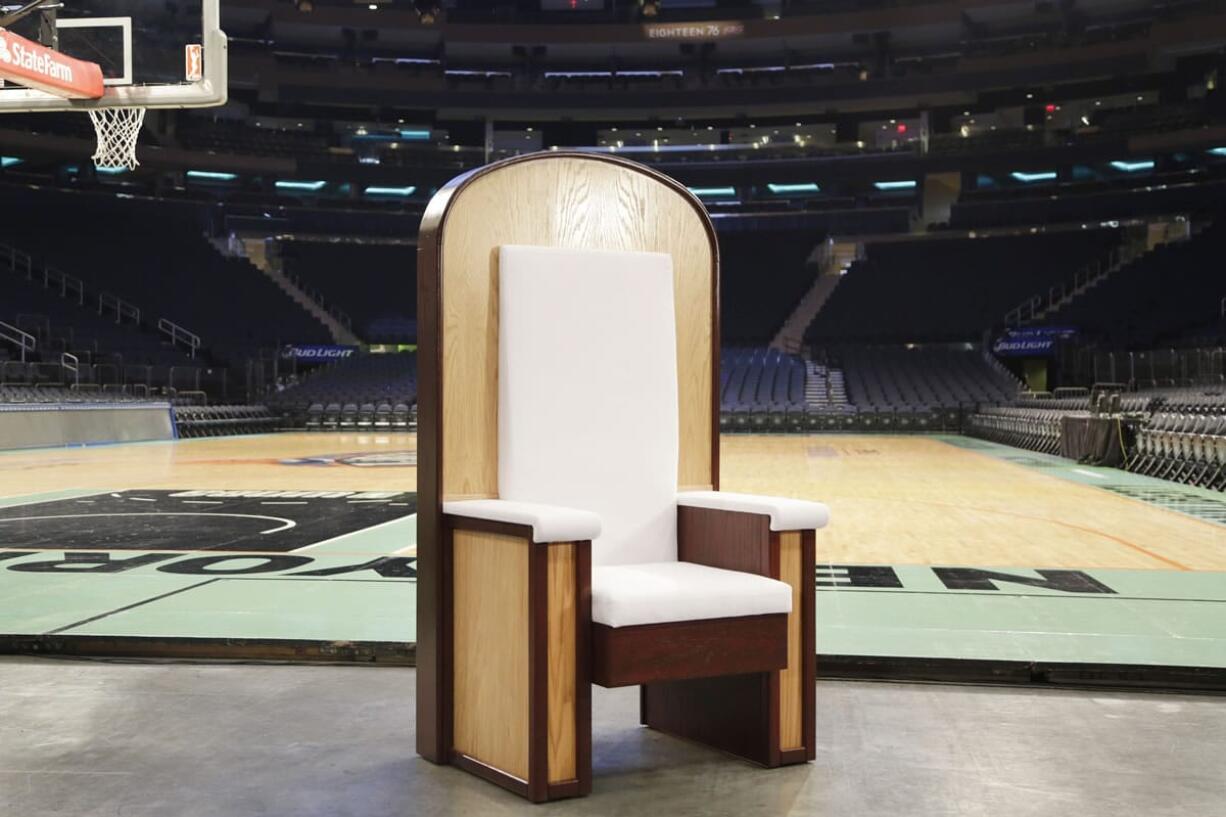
(678, 650)
(737, 714)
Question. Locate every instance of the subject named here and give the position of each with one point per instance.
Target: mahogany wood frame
(675, 651)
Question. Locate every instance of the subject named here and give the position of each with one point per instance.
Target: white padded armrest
(550, 523)
(785, 514)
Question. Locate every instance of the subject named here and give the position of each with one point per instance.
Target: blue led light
(389, 191)
(806, 187)
(1046, 176)
(293, 185)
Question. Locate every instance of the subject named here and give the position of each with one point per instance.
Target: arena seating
(376, 284)
(858, 388)
(221, 421)
(1033, 421)
(1184, 443)
(65, 316)
(760, 382)
(1037, 429)
(948, 290)
(133, 247)
(1180, 434)
(367, 391)
(762, 276)
(1169, 292)
(897, 378)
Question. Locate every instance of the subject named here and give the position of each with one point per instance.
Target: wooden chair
(570, 526)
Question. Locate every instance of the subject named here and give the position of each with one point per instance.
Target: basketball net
(117, 130)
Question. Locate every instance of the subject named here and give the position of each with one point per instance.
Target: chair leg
(520, 661)
(768, 718)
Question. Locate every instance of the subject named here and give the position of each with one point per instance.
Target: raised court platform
(947, 557)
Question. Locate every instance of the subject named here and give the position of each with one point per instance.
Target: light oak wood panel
(564, 202)
(561, 657)
(791, 680)
(490, 625)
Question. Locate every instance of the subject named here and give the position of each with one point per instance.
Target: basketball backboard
(153, 53)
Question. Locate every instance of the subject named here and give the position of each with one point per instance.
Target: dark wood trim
(808, 640)
(469, 523)
(680, 650)
(433, 582)
(726, 539)
(792, 757)
(567, 788)
(538, 673)
(773, 704)
(489, 773)
(444, 656)
(583, 667)
(715, 341)
(773, 707)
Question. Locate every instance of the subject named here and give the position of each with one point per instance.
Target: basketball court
(1001, 559)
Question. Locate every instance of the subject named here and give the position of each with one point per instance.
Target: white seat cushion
(660, 592)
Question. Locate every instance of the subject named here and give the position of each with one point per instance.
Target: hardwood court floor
(919, 500)
(939, 546)
(913, 500)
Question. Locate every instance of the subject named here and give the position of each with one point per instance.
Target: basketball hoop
(117, 130)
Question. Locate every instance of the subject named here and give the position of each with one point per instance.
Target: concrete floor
(197, 740)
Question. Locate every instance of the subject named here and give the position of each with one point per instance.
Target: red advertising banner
(27, 63)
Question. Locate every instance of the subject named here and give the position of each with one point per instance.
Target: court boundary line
(49, 498)
(359, 530)
(127, 607)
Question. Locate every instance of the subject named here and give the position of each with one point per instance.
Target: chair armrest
(549, 523)
(785, 514)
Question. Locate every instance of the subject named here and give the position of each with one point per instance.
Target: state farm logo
(40, 61)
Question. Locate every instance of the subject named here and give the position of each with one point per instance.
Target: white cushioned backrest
(587, 392)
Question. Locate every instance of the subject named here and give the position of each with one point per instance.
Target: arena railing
(24, 340)
(121, 308)
(71, 364)
(1145, 369)
(179, 335)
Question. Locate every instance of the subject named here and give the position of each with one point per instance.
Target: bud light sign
(317, 352)
(1032, 341)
